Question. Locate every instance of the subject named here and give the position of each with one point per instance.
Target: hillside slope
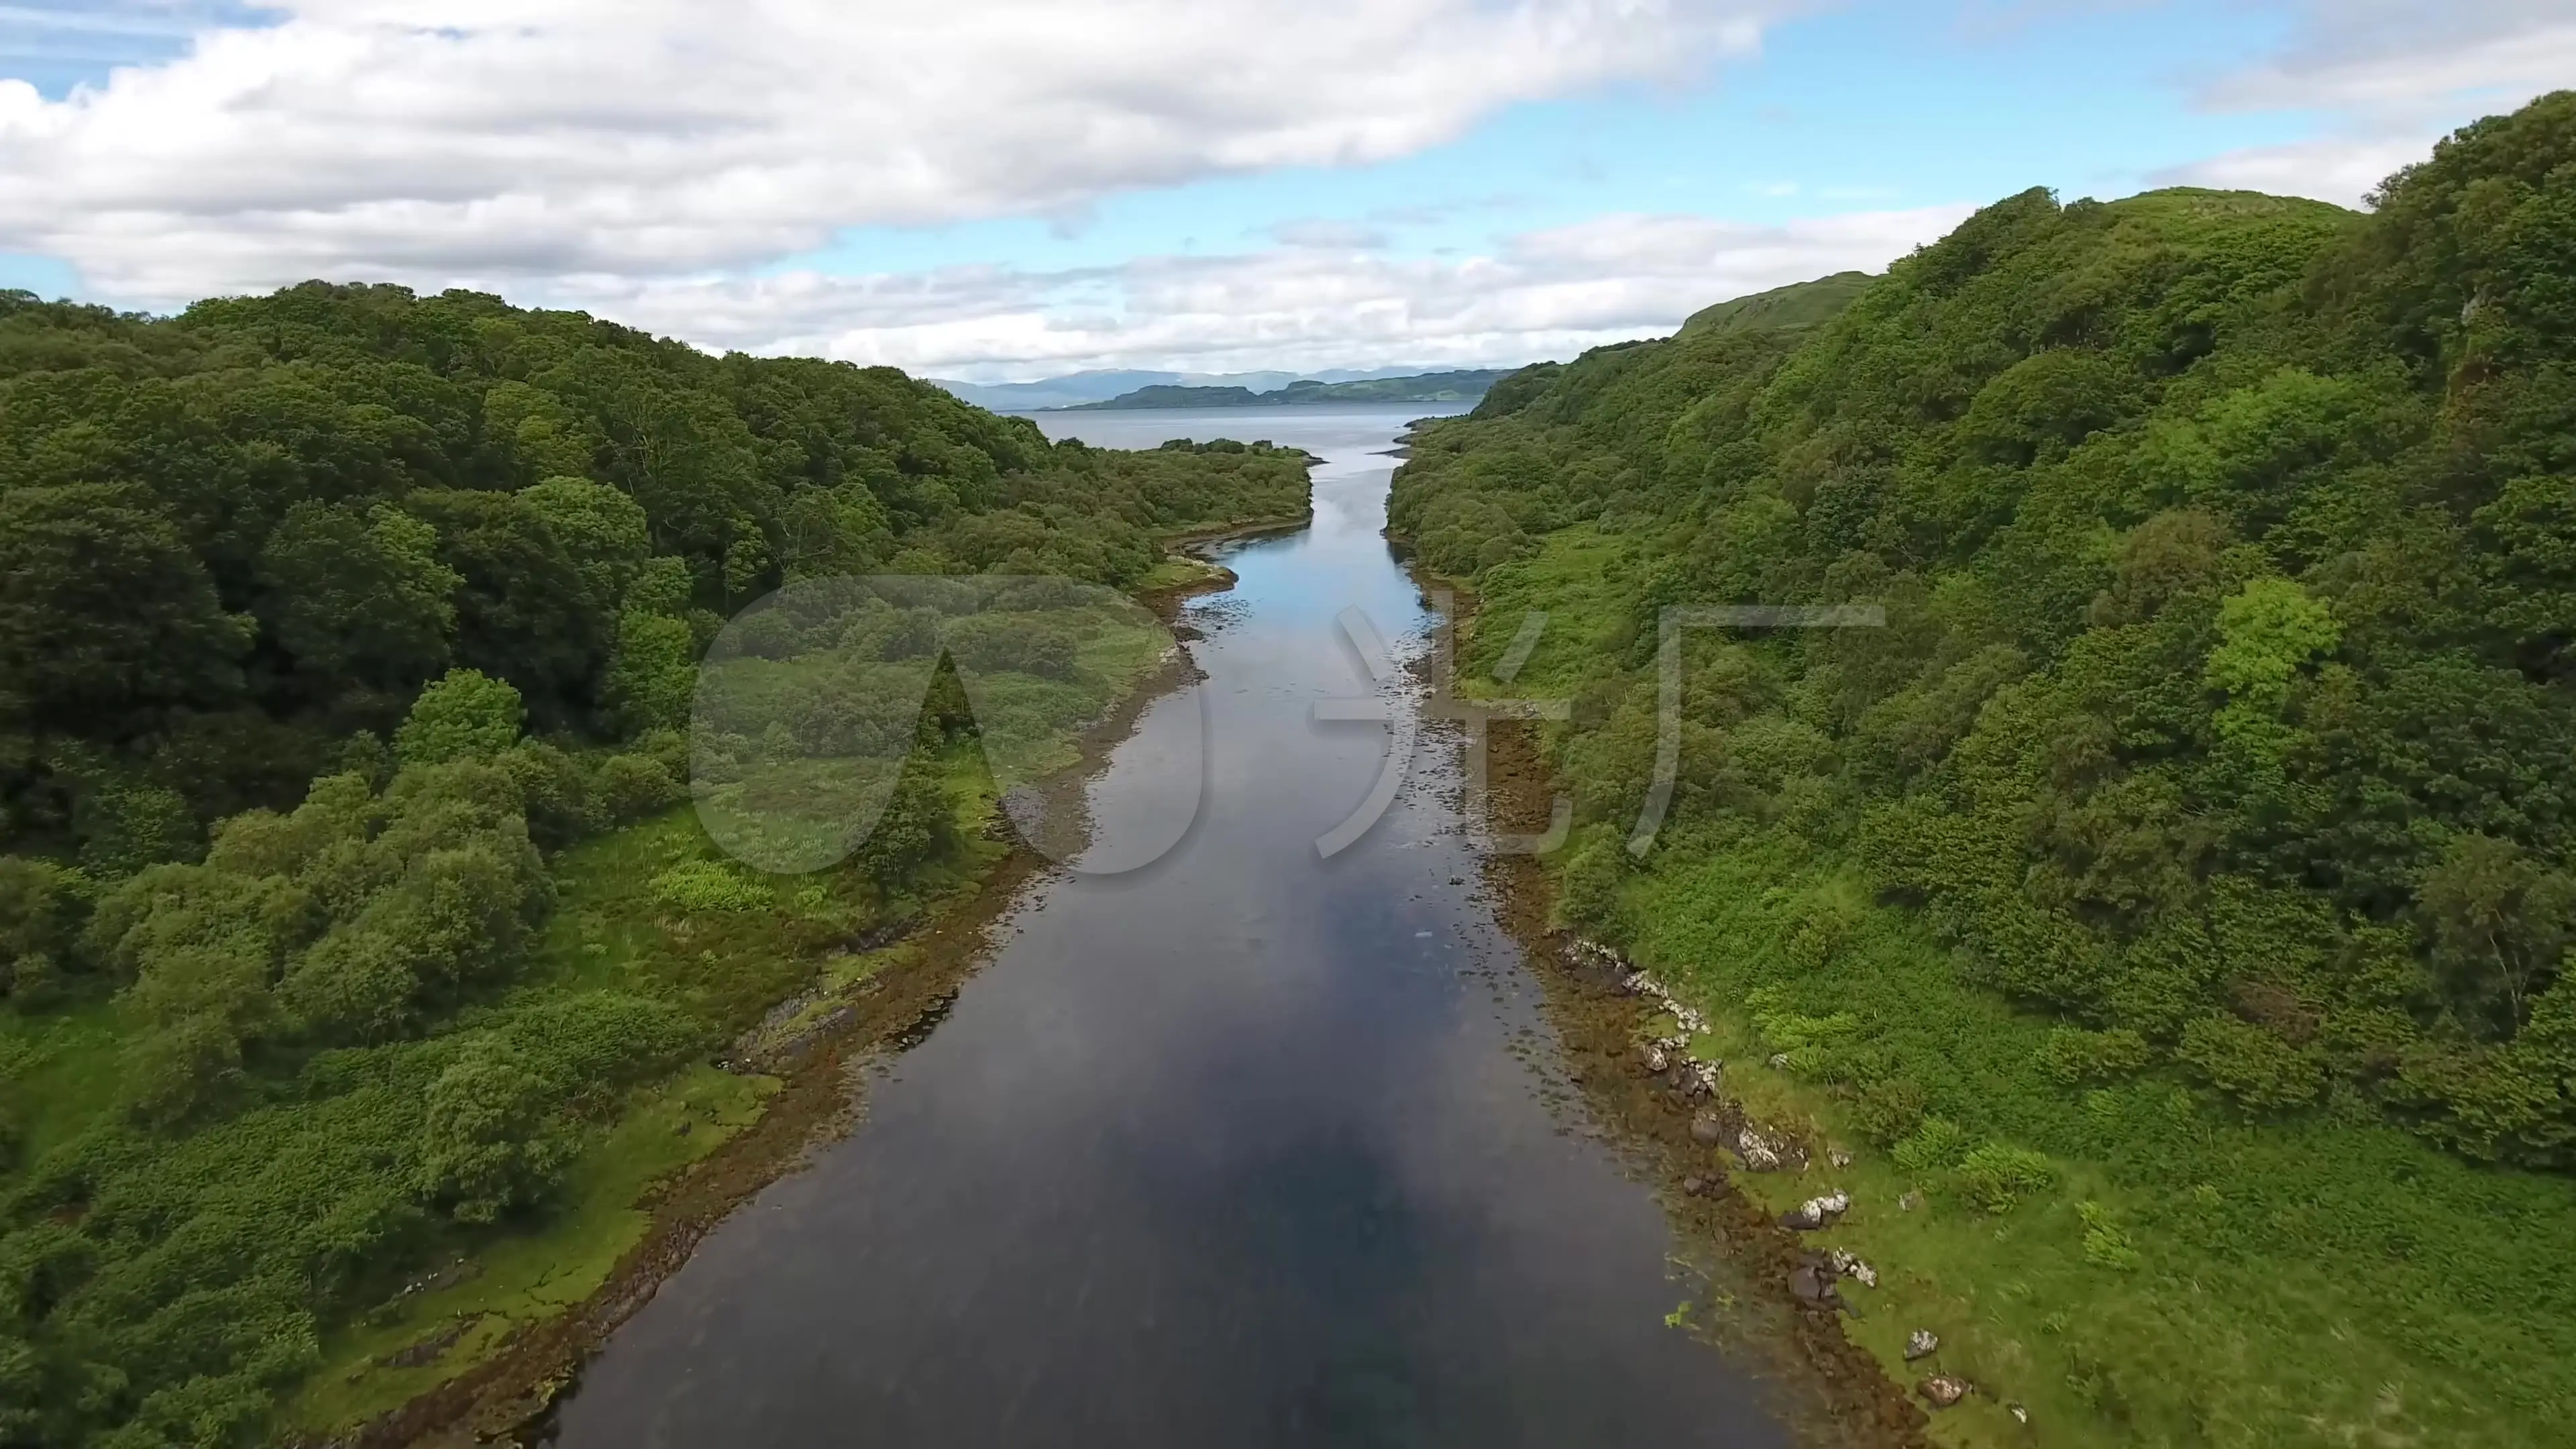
(2188, 858)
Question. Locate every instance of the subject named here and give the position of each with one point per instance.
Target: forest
(2190, 858)
(347, 646)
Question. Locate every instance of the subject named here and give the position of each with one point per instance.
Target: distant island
(1461, 386)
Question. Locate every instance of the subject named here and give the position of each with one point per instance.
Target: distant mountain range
(1103, 384)
(1460, 386)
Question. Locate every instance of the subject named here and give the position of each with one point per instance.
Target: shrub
(707, 885)
(39, 915)
(634, 786)
(2074, 1056)
(1997, 1175)
(2259, 1070)
(1933, 1145)
(466, 715)
(1889, 1111)
(125, 827)
(2105, 1245)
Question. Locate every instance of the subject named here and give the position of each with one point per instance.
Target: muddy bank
(1837, 1391)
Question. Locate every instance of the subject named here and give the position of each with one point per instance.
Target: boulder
(1941, 1391)
(1707, 1130)
(1921, 1343)
(1851, 1265)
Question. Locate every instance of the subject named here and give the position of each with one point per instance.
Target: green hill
(2177, 891)
(1803, 304)
(1463, 386)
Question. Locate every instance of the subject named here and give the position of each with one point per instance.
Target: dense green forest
(2193, 850)
(347, 645)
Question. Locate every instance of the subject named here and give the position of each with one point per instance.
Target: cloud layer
(1544, 293)
(485, 140)
(2390, 77)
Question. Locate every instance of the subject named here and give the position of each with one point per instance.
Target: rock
(1838, 1157)
(1941, 1391)
(1707, 1130)
(1760, 1153)
(2020, 1414)
(1779, 1061)
(1909, 1202)
(1695, 1186)
(1816, 1212)
(1654, 1056)
(1921, 1343)
(1808, 1285)
(1852, 1266)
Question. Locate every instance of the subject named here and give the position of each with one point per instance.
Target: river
(1249, 1147)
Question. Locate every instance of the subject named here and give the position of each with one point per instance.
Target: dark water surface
(1247, 1147)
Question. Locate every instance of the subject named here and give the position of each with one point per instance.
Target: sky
(1011, 189)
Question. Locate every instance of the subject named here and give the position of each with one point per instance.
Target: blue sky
(1008, 189)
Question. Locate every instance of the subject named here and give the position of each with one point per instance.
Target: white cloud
(1541, 294)
(2408, 59)
(487, 140)
(2340, 169)
(2389, 78)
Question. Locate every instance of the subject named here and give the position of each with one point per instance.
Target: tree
(466, 715)
(358, 596)
(105, 611)
(917, 827)
(602, 529)
(524, 611)
(2500, 921)
(487, 1145)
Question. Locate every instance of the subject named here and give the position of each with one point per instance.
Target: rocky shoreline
(1626, 1040)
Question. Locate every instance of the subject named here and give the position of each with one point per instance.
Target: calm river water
(1249, 1147)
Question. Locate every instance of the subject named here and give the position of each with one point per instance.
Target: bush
(40, 907)
(2259, 1070)
(2105, 1245)
(1890, 1111)
(1932, 1146)
(2074, 1057)
(1019, 644)
(1996, 1176)
(632, 787)
(466, 715)
(707, 885)
(125, 827)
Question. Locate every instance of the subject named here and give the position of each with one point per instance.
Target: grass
(527, 1278)
(2189, 1276)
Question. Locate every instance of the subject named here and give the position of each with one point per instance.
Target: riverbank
(1656, 1101)
(2128, 1259)
(482, 1350)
